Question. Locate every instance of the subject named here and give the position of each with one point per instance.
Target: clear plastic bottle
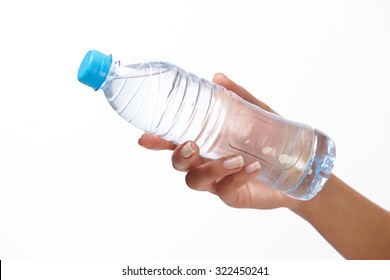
(163, 99)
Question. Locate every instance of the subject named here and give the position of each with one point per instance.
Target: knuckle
(190, 182)
(215, 171)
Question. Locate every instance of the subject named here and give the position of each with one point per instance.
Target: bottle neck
(111, 75)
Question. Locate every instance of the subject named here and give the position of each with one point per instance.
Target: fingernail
(187, 150)
(253, 167)
(234, 162)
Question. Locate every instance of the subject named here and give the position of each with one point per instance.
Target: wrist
(306, 208)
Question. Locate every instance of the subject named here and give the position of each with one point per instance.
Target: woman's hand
(353, 225)
(230, 178)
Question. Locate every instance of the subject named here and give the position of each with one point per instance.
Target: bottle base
(319, 168)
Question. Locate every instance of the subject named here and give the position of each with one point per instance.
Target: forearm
(353, 225)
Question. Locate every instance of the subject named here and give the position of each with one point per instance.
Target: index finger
(154, 142)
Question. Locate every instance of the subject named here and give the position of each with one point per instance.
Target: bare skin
(356, 227)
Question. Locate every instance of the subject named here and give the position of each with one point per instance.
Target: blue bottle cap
(94, 69)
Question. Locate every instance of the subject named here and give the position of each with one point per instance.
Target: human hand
(338, 212)
(229, 178)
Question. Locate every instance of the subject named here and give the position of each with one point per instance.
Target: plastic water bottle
(165, 100)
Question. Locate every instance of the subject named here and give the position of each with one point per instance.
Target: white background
(75, 184)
